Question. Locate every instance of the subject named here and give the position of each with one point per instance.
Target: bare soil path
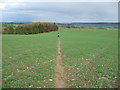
(59, 68)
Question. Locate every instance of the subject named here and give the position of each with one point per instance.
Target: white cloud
(60, 12)
(15, 3)
(2, 6)
(59, 0)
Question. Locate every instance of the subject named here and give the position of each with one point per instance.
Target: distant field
(89, 56)
(105, 25)
(97, 25)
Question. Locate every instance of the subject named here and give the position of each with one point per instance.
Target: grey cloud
(61, 12)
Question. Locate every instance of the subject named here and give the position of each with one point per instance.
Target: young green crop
(28, 60)
(90, 57)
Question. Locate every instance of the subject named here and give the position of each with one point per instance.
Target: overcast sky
(59, 11)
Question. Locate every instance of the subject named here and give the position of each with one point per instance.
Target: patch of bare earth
(59, 69)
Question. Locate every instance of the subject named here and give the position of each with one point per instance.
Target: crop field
(89, 58)
(28, 60)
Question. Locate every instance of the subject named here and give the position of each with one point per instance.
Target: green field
(28, 60)
(90, 58)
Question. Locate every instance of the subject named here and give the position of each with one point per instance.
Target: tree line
(30, 28)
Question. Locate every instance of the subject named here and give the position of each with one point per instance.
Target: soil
(59, 68)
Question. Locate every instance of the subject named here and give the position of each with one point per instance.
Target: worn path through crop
(59, 68)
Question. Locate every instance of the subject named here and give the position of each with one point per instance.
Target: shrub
(31, 28)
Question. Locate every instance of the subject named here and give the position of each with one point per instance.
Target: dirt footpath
(59, 76)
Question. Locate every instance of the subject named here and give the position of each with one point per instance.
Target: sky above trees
(59, 11)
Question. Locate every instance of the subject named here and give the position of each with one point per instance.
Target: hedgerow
(31, 28)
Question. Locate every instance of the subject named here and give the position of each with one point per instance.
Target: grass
(28, 60)
(0, 61)
(90, 57)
